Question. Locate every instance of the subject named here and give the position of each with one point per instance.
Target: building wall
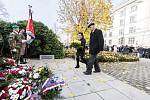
(131, 24)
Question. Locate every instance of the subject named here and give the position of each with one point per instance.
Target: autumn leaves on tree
(75, 15)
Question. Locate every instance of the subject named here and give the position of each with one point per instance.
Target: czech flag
(51, 83)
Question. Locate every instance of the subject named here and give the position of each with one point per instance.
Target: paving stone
(92, 96)
(66, 93)
(112, 94)
(136, 74)
(64, 99)
(72, 78)
(128, 90)
(98, 85)
(79, 88)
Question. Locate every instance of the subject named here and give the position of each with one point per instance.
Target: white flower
(3, 91)
(23, 94)
(22, 86)
(14, 97)
(36, 75)
(20, 72)
(30, 81)
(30, 76)
(14, 91)
(10, 91)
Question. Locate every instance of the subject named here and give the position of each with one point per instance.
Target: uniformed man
(23, 34)
(15, 43)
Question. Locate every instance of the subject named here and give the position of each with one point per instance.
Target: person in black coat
(96, 45)
(80, 50)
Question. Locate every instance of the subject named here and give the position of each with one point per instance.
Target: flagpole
(30, 11)
(28, 46)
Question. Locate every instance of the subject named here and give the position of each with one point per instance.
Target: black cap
(91, 24)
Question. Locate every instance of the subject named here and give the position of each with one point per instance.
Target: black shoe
(77, 66)
(87, 73)
(97, 71)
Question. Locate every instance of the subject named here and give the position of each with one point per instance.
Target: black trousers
(92, 61)
(78, 57)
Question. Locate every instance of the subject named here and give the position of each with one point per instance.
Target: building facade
(131, 24)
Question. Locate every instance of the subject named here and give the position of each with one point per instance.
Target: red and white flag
(30, 29)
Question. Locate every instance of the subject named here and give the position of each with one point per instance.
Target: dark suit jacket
(81, 48)
(96, 42)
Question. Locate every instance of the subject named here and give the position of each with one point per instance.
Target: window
(132, 19)
(105, 35)
(121, 32)
(131, 40)
(110, 34)
(110, 42)
(132, 29)
(121, 22)
(121, 41)
(134, 8)
(122, 13)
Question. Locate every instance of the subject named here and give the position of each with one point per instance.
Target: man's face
(22, 31)
(79, 36)
(92, 27)
(16, 29)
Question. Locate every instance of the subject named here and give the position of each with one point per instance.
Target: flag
(51, 83)
(30, 28)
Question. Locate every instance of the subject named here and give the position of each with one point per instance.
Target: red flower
(25, 79)
(1, 74)
(4, 95)
(14, 88)
(20, 91)
(46, 92)
(5, 89)
(29, 68)
(11, 61)
(28, 73)
(26, 87)
(21, 68)
(14, 72)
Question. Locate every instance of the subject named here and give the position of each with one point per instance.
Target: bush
(70, 53)
(75, 44)
(105, 56)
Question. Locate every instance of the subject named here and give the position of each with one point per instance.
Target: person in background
(80, 50)
(23, 46)
(95, 46)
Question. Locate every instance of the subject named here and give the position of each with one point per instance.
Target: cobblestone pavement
(98, 86)
(136, 74)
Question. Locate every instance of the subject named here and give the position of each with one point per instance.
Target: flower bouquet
(6, 63)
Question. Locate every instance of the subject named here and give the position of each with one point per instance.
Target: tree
(5, 29)
(45, 43)
(76, 15)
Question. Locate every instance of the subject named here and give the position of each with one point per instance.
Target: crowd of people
(138, 51)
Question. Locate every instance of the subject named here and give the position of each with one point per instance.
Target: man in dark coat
(80, 50)
(96, 45)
